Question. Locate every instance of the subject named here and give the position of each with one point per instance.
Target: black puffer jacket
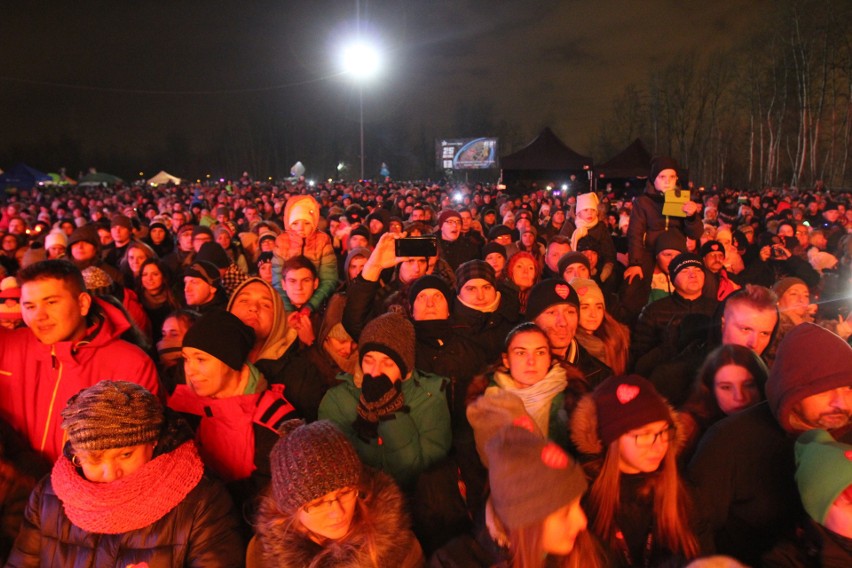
(658, 323)
(488, 330)
(200, 531)
(20, 468)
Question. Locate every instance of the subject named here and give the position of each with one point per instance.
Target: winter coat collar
(381, 520)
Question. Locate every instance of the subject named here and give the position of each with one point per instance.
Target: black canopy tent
(631, 166)
(545, 160)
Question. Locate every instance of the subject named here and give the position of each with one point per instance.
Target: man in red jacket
(71, 342)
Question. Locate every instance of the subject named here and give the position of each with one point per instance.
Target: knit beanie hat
(530, 477)
(498, 231)
(201, 230)
(265, 257)
(682, 261)
(570, 258)
(119, 220)
(86, 233)
(785, 284)
(392, 335)
(549, 292)
(625, 403)
(587, 290)
(447, 214)
(821, 260)
(492, 248)
(588, 243)
(430, 282)
(204, 270)
(158, 225)
(823, 471)
(10, 290)
(98, 282)
(670, 240)
(473, 269)
(796, 375)
(266, 236)
(360, 230)
(222, 335)
(226, 227)
(303, 209)
(587, 201)
(214, 254)
(186, 227)
(711, 246)
(309, 461)
(54, 238)
(112, 414)
(662, 163)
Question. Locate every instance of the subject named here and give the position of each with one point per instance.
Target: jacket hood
(380, 519)
(109, 325)
(281, 337)
(306, 201)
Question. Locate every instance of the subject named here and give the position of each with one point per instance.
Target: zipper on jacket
(53, 396)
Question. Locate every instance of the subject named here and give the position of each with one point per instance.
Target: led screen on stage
(466, 153)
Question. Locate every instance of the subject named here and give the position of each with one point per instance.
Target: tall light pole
(362, 62)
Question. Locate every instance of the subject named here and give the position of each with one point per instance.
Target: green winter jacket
(415, 438)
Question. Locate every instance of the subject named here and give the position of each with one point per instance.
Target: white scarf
(581, 231)
(487, 309)
(537, 397)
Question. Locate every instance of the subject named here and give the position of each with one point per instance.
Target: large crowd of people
(263, 374)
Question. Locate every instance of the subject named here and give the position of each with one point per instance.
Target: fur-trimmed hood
(585, 434)
(279, 544)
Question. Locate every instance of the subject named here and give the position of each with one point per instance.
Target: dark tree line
(774, 109)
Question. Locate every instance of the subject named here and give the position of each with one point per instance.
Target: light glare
(361, 60)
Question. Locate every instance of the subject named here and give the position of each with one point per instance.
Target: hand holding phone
(417, 246)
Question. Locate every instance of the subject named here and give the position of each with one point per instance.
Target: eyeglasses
(648, 440)
(322, 506)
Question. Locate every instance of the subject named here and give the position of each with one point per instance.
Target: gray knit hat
(392, 335)
(112, 414)
(530, 477)
(309, 461)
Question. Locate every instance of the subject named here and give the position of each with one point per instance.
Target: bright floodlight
(361, 60)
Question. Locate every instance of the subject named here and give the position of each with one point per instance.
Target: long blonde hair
(670, 502)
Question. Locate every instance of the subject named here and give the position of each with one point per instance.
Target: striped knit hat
(112, 414)
(309, 461)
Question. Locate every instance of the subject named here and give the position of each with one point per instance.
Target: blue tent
(23, 177)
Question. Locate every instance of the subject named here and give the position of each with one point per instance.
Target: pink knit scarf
(132, 502)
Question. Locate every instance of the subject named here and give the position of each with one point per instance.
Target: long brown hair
(671, 526)
(702, 402)
(616, 341)
(526, 548)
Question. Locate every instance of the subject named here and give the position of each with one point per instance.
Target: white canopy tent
(163, 178)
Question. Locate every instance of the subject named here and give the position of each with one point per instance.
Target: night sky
(198, 86)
